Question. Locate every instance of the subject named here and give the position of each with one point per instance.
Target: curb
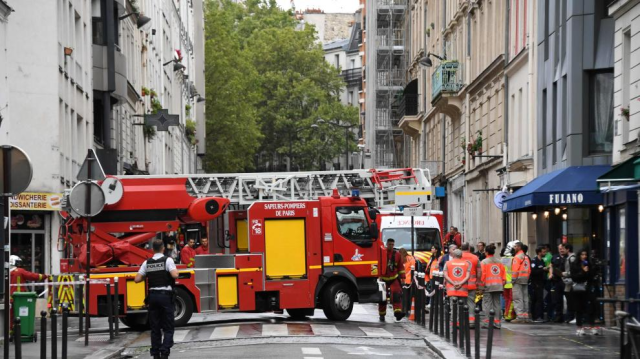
(442, 348)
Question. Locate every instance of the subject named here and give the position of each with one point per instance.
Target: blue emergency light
(355, 193)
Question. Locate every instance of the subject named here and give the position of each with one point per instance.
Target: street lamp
(346, 136)
(143, 21)
(426, 61)
(177, 66)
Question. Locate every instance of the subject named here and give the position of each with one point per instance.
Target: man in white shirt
(161, 272)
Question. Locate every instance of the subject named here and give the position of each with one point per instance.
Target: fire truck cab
(427, 231)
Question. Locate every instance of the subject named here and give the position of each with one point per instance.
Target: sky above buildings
(343, 6)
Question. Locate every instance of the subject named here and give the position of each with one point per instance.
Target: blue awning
(574, 185)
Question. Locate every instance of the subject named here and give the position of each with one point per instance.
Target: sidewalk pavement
(532, 341)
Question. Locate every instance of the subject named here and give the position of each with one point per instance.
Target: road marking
(225, 332)
(325, 329)
(358, 309)
(313, 357)
(274, 330)
(311, 351)
(375, 332)
(368, 352)
(179, 335)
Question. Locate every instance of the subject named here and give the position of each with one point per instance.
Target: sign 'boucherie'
(566, 198)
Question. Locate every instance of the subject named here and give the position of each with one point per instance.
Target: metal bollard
(109, 311)
(54, 333)
(461, 322)
(477, 332)
(17, 338)
(442, 299)
(492, 314)
(431, 313)
(454, 320)
(79, 296)
(434, 307)
(467, 331)
(447, 311)
(65, 326)
(117, 307)
(43, 335)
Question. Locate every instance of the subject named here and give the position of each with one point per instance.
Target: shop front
(620, 188)
(566, 207)
(31, 221)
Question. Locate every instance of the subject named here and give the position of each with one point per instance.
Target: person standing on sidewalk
(521, 269)
(481, 253)
(557, 286)
(407, 290)
(582, 276)
(568, 281)
(506, 257)
(457, 272)
(161, 274)
(538, 279)
(476, 274)
(492, 281)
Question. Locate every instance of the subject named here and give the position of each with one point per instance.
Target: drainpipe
(108, 18)
(505, 161)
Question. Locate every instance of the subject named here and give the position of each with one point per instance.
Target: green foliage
(187, 110)
(190, 131)
(268, 83)
(145, 91)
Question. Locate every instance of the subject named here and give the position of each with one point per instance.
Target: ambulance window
(352, 223)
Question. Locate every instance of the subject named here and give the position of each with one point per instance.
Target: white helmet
(14, 260)
(511, 246)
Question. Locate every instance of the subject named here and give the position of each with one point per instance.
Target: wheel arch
(333, 275)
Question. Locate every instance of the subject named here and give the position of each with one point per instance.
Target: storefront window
(622, 240)
(27, 241)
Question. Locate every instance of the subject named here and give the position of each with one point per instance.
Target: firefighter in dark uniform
(161, 273)
(392, 277)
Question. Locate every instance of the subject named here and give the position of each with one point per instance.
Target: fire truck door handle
(287, 285)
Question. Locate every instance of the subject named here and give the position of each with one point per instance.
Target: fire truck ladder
(375, 186)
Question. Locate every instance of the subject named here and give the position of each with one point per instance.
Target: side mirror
(373, 230)
(373, 213)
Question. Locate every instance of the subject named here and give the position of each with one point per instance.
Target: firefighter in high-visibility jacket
(521, 269)
(472, 286)
(393, 275)
(506, 259)
(20, 276)
(457, 272)
(492, 282)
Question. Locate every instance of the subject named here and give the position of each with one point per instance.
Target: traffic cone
(412, 314)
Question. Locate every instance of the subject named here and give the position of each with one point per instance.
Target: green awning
(624, 172)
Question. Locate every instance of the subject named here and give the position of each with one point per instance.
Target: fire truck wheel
(337, 301)
(183, 307)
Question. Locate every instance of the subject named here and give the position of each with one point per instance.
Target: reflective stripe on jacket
(456, 270)
(506, 262)
(521, 268)
(474, 264)
(493, 274)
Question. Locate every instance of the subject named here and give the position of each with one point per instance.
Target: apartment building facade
(85, 81)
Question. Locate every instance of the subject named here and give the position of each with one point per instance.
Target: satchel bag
(579, 287)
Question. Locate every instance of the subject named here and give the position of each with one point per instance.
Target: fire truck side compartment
(285, 249)
(228, 292)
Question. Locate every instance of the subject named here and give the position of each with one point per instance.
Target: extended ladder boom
(375, 186)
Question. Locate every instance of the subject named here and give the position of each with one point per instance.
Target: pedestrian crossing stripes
(289, 329)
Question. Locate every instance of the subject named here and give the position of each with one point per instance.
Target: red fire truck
(279, 241)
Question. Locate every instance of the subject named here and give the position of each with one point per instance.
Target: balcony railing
(446, 79)
(352, 76)
(408, 105)
(382, 3)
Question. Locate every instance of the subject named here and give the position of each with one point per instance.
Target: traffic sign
(408, 195)
(97, 173)
(412, 211)
(78, 199)
(19, 168)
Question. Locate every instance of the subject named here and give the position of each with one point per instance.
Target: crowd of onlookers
(523, 287)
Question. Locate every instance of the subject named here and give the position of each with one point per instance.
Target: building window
(544, 129)
(600, 112)
(337, 63)
(350, 98)
(98, 134)
(554, 123)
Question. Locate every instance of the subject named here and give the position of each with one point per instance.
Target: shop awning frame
(575, 185)
(621, 173)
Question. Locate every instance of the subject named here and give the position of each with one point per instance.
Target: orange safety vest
(456, 271)
(472, 259)
(521, 268)
(493, 274)
(409, 261)
(433, 268)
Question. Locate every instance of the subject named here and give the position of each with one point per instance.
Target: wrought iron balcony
(447, 79)
(352, 77)
(408, 105)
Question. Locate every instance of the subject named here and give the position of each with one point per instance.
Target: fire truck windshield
(352, 223)
(424, 238)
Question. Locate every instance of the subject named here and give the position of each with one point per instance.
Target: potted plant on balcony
(145, 91)
(190, 131)
(153, 93)
(471, 148)
(478, 144)
(428, 32)
(464, 160)
(624, 112)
